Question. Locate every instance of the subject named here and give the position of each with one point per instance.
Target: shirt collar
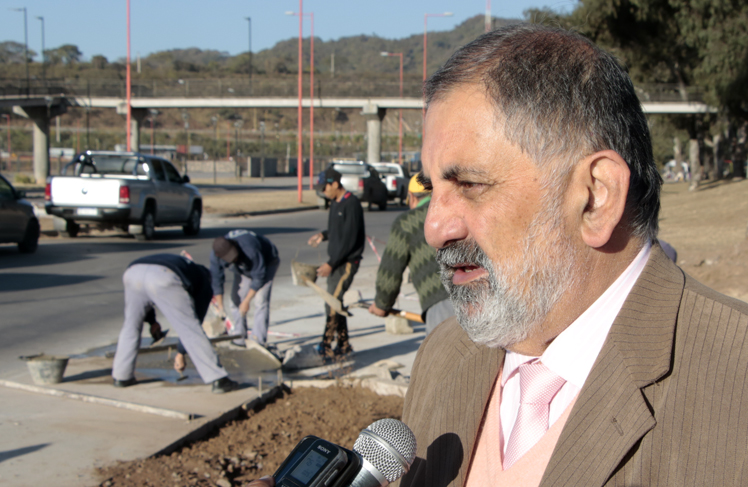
(572, 353)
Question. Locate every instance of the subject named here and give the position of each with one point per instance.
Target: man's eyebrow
(461, 172)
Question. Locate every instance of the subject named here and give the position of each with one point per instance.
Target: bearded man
(580, 354)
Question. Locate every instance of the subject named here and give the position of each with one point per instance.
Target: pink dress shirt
(573, 353)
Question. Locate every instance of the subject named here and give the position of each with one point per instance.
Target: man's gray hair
(560, 98)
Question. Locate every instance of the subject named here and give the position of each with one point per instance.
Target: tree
(99, 62)
(66, 54)
(12, 53)
(700, 46)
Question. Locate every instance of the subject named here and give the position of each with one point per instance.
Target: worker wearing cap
(407, 247)
(254, 260)
(181, 290)
(346, 236)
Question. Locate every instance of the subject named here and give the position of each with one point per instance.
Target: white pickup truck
(127, 190)
(396, 178)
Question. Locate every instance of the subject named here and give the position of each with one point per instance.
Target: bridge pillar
(41, 116)
(137, 116)
(374, 116)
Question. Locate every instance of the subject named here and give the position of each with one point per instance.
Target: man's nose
(443, 223)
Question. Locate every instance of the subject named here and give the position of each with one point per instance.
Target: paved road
(67, 297)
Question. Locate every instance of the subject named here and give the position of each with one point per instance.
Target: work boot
(224, 384)
(125, 383)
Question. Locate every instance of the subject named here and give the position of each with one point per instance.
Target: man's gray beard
(505, 308)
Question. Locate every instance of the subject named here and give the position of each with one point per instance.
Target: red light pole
(425, 52)
(311, 100)
(127, 81)
(400, 134)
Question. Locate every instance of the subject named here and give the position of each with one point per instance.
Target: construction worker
(181, 290)
(407, 247)
(346, 236)
(254, 260)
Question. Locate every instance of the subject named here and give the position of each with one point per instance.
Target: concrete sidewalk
(65, 439)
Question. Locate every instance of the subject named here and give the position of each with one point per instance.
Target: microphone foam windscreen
(389, 445)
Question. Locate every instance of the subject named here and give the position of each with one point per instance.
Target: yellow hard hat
(415, 186)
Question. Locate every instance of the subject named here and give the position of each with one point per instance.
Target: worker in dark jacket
(346, 237)
(254, 260)
(407, 247)
(181, 290)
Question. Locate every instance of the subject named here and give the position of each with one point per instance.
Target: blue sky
(99, 26)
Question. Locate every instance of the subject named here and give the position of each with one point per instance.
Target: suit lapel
(477, 373)
(611, 414)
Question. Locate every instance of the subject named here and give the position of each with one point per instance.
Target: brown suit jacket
(666, 403)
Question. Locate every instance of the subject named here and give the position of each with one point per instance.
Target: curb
(206, 428)
(216, 216)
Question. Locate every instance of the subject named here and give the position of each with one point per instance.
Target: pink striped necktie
(538, 386)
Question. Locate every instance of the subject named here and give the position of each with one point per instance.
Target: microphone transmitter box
(315, 462)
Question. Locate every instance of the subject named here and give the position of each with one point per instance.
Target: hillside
(356, 55)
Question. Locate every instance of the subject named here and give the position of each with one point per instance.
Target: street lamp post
(311, 99)
(262, 151)
(214, 122)
(10, 149)
(228, 140)
(186, 118)
(249, 22)
(425, 51)
(237, 125)
(153, 113)
(488, 22)
(400, 130)
(44, 55)
(25, 48)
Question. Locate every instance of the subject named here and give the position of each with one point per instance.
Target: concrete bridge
(41, 109)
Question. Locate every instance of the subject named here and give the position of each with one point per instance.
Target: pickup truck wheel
(382, 206)
(149, 226)
(71, 229)
(193, 222)
(30, 238)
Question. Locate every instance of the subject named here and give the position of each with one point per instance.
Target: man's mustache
(461, 253)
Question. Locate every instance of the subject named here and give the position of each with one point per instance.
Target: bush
(23, 179)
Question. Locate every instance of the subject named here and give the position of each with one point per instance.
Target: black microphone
(388, 448)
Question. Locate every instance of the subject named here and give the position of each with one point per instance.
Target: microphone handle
(368, 476)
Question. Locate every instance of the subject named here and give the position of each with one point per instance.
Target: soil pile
(254, 446)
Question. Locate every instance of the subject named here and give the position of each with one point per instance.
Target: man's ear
(602, 182)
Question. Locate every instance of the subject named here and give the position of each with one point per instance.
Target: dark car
(18, 223)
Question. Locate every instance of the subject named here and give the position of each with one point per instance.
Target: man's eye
(468, 185)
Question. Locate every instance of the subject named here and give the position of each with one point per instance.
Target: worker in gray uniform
(181, 290)
(254, 260)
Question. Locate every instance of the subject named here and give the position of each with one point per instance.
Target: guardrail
(267, 87)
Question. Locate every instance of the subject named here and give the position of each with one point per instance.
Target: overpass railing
(355, 87)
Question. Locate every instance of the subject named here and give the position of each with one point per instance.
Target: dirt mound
(254, 446)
